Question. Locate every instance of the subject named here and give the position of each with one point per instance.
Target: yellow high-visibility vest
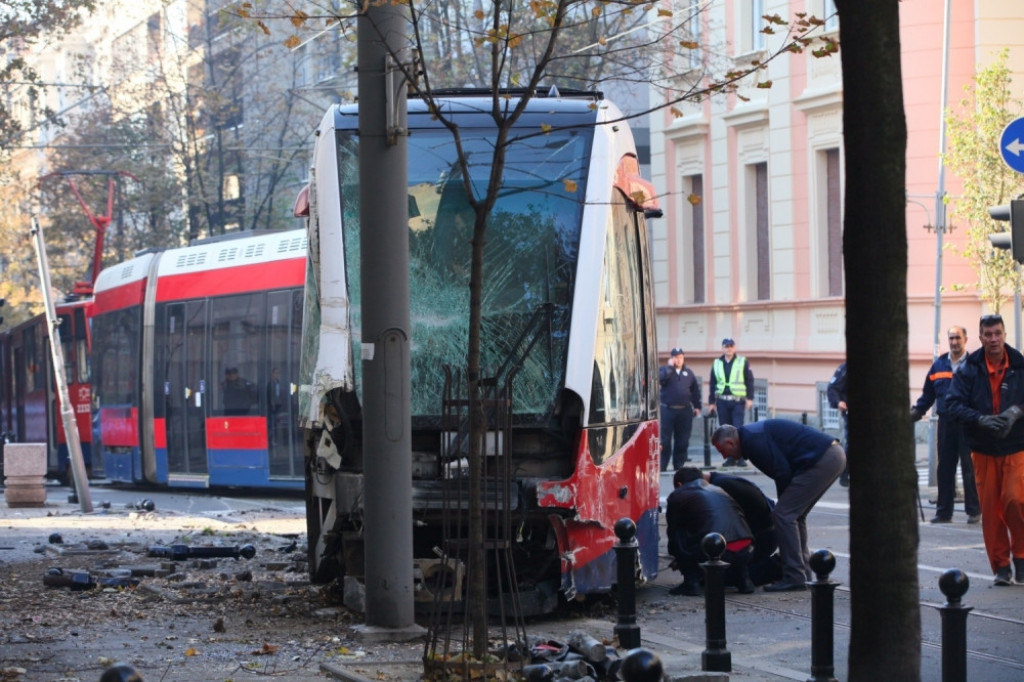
(735, 384)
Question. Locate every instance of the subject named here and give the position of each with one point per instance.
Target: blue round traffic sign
(1011, 145)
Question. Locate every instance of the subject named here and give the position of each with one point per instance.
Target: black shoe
(1002, 577)
(687, 589)
(742, 462)
(973, 518)
(788, 586)
(730, 462)
(844, 479)
(747, 587)
(941, 519)
(1018, 570)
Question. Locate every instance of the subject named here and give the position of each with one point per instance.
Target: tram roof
(472, 109)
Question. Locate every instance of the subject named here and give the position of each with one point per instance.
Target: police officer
(732, 390)
(680, 403)
(837, 400)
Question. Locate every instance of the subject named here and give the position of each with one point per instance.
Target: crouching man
(696, 508)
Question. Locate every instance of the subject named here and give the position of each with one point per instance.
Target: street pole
(940, 229)
(384, 245)
(67, 413)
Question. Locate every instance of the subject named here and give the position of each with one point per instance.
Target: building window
(829, 15)
(695, 202)
(759, 181)
(833, 222)
(694, 57)
(756, 25)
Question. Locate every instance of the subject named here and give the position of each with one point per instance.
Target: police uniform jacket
(970, 398)
(680, 388)
(782, 448)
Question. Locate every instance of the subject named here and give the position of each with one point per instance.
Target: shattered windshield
(529, 260)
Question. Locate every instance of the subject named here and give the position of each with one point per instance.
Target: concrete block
(25, 491)
(24, 459)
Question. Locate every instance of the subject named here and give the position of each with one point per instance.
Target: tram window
(617, 393)
(236, 332)
(117, 356)
(82, 364)
(32, 342)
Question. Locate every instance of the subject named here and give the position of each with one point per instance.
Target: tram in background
(29, 406)
(196, 354)
(567, 328)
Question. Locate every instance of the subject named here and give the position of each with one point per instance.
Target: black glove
(992, 422)
(1010, 416)
(915, 416)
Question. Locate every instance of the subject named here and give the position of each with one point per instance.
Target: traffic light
(1012, 239)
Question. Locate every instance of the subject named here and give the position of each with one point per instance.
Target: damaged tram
(567, 330)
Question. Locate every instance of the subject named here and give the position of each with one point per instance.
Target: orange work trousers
(1000, 482)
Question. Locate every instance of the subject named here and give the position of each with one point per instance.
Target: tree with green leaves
(973, 154)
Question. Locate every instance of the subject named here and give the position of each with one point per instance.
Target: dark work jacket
(782, 448)
(970, 398)
(757, 507)
(697, 508)
(936, 385)
(678, 388)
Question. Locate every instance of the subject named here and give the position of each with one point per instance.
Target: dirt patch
(194, 619)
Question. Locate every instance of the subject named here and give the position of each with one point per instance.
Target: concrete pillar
(25, 474)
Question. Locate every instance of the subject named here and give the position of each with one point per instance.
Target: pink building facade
(750, 246)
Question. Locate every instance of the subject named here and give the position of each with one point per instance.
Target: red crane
(99, 222)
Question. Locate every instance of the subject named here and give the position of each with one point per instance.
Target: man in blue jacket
(987, 397)
(803, 462)
(952, 445)
(836, 394)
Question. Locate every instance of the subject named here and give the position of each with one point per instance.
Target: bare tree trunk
(885, 641)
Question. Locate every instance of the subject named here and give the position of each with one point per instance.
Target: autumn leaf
(292, 42)
(689, 44)
(266, 650)
(191, 651)
(299, 18)
(765, 85)
(694, 199)
(570, 185)
(479, 15)
(676, 112)
(266, 29)
(546, 127)
(664, 12)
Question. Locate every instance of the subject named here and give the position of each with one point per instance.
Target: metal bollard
(715, 657)
(707, 440)
(626, 552)
(823, 562)
(641, 665)
(954, 583)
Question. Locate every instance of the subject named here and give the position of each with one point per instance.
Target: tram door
(284, 336)
(186, 390)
